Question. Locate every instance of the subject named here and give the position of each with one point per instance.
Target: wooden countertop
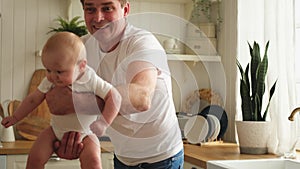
(23, 147)
(194, 154)
(199, 155)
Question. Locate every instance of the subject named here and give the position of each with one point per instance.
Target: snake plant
(74, 25)
(252, 92)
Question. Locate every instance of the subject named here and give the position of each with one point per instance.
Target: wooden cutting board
(1, 112)
(39, 119)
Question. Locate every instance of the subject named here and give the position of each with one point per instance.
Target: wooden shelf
(194, 58)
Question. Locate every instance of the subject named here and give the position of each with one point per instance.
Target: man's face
(98, 13)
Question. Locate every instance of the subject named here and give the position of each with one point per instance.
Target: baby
(64, 58)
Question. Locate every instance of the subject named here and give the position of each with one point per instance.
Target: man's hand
(69, 147)
(61, 101)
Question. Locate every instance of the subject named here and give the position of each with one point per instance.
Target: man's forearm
(135, 98)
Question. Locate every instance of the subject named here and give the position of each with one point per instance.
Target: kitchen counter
(199, 155)
(194, 154)
(23, 147)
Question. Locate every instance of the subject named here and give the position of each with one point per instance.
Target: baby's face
(60, 70)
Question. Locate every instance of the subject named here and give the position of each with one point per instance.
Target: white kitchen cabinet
(2, 162)
(19, 162)
(107, 160)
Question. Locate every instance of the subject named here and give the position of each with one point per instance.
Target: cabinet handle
(54, 158)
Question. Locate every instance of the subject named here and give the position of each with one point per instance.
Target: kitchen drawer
(190, 166)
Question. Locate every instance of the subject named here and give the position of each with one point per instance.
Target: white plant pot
(253, 136)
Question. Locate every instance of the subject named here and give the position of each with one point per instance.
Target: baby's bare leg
(90, 157)
(41, 150)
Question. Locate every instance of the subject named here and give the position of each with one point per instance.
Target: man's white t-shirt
(149, 136)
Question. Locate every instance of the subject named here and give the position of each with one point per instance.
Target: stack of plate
(209, 125)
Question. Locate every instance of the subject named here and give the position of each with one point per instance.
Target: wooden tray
(39, 119)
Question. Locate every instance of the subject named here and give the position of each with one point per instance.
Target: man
(145, 134)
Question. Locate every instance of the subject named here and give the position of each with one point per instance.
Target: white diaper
(72, 122)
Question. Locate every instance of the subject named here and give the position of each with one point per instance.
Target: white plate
(211, 127)
(221, 115)
(196, 129)
(217, 127)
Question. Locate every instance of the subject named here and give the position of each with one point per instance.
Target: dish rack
(204, 121)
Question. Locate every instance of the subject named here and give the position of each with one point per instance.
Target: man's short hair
(123, 2)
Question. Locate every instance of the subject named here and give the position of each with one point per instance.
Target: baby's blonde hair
(68, 42)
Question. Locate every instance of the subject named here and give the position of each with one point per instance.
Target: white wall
(24, 27)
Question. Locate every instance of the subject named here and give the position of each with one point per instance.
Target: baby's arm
(110, 111)
(27, 106)
(112, 105)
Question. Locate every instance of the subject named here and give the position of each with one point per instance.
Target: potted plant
(201, 7)
(201, 12)
(251, 129)
(74, 25)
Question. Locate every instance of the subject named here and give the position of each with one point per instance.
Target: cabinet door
(57, 163)
(107, 160)
(16, 161)
(2, 162)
